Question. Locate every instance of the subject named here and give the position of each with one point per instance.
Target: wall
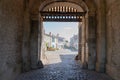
(100, 35)
(10, 38)
(113, 38)
(26, 61)
(11, 29)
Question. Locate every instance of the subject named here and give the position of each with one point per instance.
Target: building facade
(74, 42)
(54, 41)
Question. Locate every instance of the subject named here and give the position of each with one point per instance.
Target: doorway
(60, 38)
(63, 12)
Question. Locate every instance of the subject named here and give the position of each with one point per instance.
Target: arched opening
(66, 11)
(24, 36)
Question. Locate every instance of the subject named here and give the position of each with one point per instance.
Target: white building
(74, 41)
(54, 41)
(48, 40)
(61, 42)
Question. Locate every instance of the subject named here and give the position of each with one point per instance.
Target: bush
(51, 49)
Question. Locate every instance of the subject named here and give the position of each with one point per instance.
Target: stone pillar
(34, 44)
(40, 42)
(86, 39)
(82, 41)
(91, 42)
(26, 42)
(101, 37)
(79, 45)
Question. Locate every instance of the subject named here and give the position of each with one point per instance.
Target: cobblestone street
(62, 66)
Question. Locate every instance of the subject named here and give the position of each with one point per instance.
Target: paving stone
(65, 68)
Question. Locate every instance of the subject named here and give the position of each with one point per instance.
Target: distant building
(48, 40)
(74, 42)
(54, 41)
(61, 42)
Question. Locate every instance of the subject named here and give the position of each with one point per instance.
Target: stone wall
(113, 38)
(26, 41)
(100, 35)
(11, 15)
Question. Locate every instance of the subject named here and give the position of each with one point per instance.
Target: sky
(64, 29)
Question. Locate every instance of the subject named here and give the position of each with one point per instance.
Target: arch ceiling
(86, 5)
(62, 11)
(63, 6)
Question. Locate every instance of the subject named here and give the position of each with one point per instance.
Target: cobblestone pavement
(62, 66)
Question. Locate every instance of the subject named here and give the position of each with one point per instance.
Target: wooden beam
(43, 13)
(62, 16)
(62, 20)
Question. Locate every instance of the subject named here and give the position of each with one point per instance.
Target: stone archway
(87, 46)
(68, 9)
